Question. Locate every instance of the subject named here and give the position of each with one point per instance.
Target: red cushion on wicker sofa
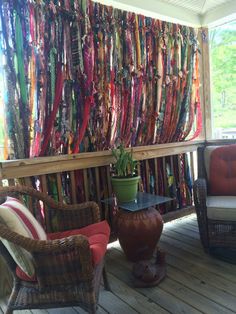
(98, 235)
(223, 170)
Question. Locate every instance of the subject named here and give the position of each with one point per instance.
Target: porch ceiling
(197, 6)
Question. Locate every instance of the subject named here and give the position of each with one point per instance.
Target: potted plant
(125, 179)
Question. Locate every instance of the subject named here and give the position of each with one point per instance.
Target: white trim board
(220, 15)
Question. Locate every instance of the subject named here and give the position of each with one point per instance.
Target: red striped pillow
(19, 219)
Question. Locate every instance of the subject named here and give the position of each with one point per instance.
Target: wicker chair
(216, 214)
(64, 269)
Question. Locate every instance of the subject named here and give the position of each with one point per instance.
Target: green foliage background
(223, 75)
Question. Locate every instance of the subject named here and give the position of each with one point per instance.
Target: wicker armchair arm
(60, 262)
(32, 245)
(67, 216)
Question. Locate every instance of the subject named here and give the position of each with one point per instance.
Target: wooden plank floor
(195, 282)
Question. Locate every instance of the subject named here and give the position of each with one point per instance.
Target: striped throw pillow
(19, 219)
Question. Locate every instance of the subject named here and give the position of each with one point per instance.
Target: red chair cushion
(223, 170)
(23, 276)
(98, 236)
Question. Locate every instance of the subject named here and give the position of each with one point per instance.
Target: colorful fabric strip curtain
(81, 76)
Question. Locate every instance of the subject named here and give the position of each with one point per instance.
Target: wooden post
(192, 166)
(205, 79)
(140, 181)
(97, 180)
(173, 174)
(147, 176)
(44, 188)
(109, 180)
(73, 188)
(86, 184)
(156, 175)
(59, 187)
(27, 181)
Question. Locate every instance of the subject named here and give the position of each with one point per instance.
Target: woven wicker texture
(213, 233)
(64, 269)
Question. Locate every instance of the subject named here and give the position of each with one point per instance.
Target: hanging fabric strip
(59, 86)
(88, 85)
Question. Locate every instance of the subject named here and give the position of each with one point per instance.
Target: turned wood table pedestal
(138, 225)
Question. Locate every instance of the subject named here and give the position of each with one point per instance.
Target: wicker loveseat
(65, 271)
(215, 199)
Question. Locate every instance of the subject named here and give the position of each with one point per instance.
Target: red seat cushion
(23, 276)
(98, 236)
(223, 170)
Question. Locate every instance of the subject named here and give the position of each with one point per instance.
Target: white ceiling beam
(203, 6)
(157, 9)
(219, 15)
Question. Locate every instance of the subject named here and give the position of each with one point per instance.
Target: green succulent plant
(125, 165)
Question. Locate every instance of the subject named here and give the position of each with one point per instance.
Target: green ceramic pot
(125, 189)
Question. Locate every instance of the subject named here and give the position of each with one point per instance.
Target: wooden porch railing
(86, 176)
(93, 171)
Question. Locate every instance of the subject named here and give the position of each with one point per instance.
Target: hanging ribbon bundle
(82, 76)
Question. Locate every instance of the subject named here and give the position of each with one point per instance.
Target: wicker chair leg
(105, 280)
(13, 296)
(9, 311)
